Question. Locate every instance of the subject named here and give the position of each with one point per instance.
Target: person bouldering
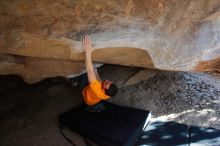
(93, 89)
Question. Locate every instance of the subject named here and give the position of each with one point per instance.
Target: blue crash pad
(159, 133)
(204, 136)
(164, 134)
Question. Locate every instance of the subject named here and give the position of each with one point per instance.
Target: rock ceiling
(42, 38)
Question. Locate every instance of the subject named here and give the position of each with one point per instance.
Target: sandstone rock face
(42, 38)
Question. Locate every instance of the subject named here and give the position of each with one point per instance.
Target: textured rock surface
(190, 98)
(42, 38)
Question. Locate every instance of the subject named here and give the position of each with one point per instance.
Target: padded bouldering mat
(200, 136)
(114, 126)
(165, 133)
(160, 133)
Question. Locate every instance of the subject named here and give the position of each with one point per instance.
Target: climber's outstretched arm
(87, 46)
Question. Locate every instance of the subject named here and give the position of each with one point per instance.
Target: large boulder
(42, 38)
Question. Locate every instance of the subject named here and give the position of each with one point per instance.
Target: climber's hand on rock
(87, 45)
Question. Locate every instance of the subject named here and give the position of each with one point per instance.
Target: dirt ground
(28, 113)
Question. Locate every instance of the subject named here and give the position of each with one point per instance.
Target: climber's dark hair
(112, 90)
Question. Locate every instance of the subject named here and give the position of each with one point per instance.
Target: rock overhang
(44, 37)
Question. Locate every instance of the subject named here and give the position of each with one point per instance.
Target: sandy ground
(28, 113)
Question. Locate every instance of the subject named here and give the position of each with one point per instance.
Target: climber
(93, 89)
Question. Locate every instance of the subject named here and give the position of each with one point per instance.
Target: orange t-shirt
(93, 93)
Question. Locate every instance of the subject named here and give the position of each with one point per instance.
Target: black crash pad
(115, 126)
